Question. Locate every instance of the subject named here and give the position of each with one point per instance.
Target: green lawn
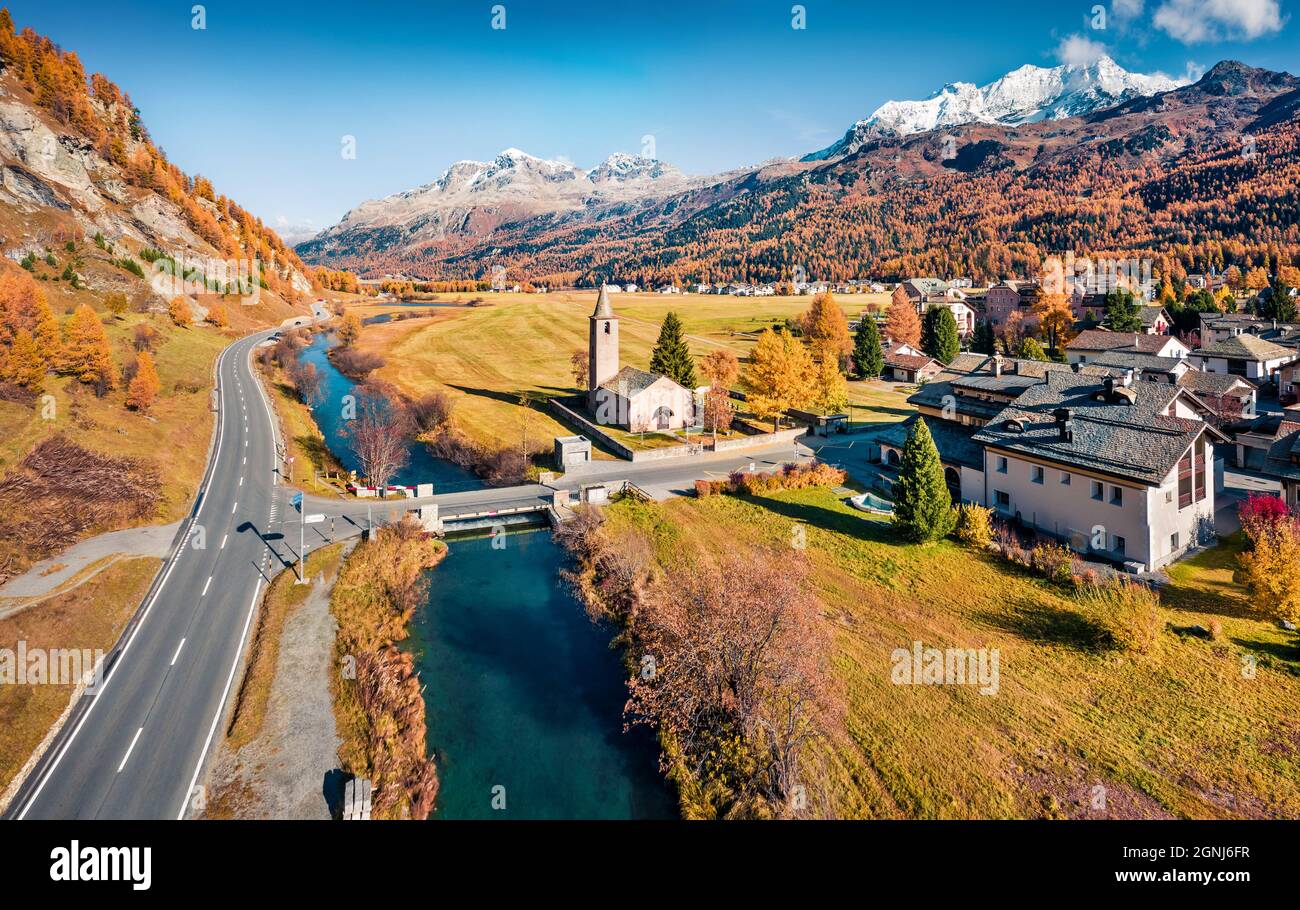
(1182, 732)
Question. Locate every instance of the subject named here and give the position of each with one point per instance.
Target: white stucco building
(633, 399)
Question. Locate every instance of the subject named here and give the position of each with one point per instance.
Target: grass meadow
(1199, 728)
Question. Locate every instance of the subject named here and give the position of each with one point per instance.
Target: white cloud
(1126, 10)
(1195, 21)
(295, 230)
(1079, 50)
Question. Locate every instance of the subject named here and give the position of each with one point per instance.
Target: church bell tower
(602, 344)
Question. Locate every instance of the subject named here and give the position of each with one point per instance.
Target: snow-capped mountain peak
(1024, 95)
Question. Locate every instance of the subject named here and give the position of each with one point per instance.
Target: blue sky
(260, 99)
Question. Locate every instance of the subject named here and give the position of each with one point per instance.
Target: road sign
(297, 501)
(313, 519)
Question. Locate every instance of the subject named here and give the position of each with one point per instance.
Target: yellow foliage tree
(830, 393)
(25, 365)
(1055, 319)
(779, 376)
(349, 329)
(86, 352)
(826, 328)
(217, 315)
(179, 311)
(1270, 569)
(144, 387)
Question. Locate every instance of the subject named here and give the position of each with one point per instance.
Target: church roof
(630, 382)
(603, 309)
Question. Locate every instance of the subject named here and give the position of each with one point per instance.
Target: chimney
(1064, 424)
(997, 366)
(1077, 366)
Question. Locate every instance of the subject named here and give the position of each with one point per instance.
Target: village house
(636, 400)
(1230, 398)
(1092, 343)
(1255, 358)
(1007, 297)
(1155, 320)
(923, 293)
(1130, 462)
(1272, 446)
(1116, 469)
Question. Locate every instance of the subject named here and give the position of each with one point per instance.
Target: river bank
(378, 707)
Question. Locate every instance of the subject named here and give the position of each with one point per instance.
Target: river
(422, 466)
(522, 691)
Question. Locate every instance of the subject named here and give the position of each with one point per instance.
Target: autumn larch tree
(939, 336)
(830, 393)
(868, 354)
(86, 352)
(672, 356)
(826, 328)
(349, 329)
(144, 387)
(923, 509)
(779, 376)
(902, 325)
(24, 364)
(1055, 319)
(180, 312)
(217, 315)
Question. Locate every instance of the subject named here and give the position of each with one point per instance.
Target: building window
(1065, 478)
(1096, 490)
(1001, 499)
(1169, 495)
(1117, 496)
(1037, 474)
(1119, 545)
(607, 328)
(1002, 465)
(1173, 542)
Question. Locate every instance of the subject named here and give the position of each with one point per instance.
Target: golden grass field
(509, 345)
(1180, 732)
(90, 616)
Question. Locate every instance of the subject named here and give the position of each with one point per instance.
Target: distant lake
(524, 692)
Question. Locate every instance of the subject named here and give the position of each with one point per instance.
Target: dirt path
(283, 772)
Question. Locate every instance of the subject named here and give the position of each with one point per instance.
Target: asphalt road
(135, 745)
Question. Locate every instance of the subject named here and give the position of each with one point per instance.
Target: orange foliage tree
(179, 311)
(144, 387)
(86, 352)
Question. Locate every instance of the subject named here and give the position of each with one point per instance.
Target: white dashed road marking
(177, 654)
(128, 750)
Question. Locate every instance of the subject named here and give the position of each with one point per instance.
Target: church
(635, 400)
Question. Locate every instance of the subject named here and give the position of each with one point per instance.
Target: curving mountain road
(134, 745)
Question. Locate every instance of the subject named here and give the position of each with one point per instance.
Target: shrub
(787, 477)
(1054, 562)
(1124, 613)
(130, 265)
(975, 525)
